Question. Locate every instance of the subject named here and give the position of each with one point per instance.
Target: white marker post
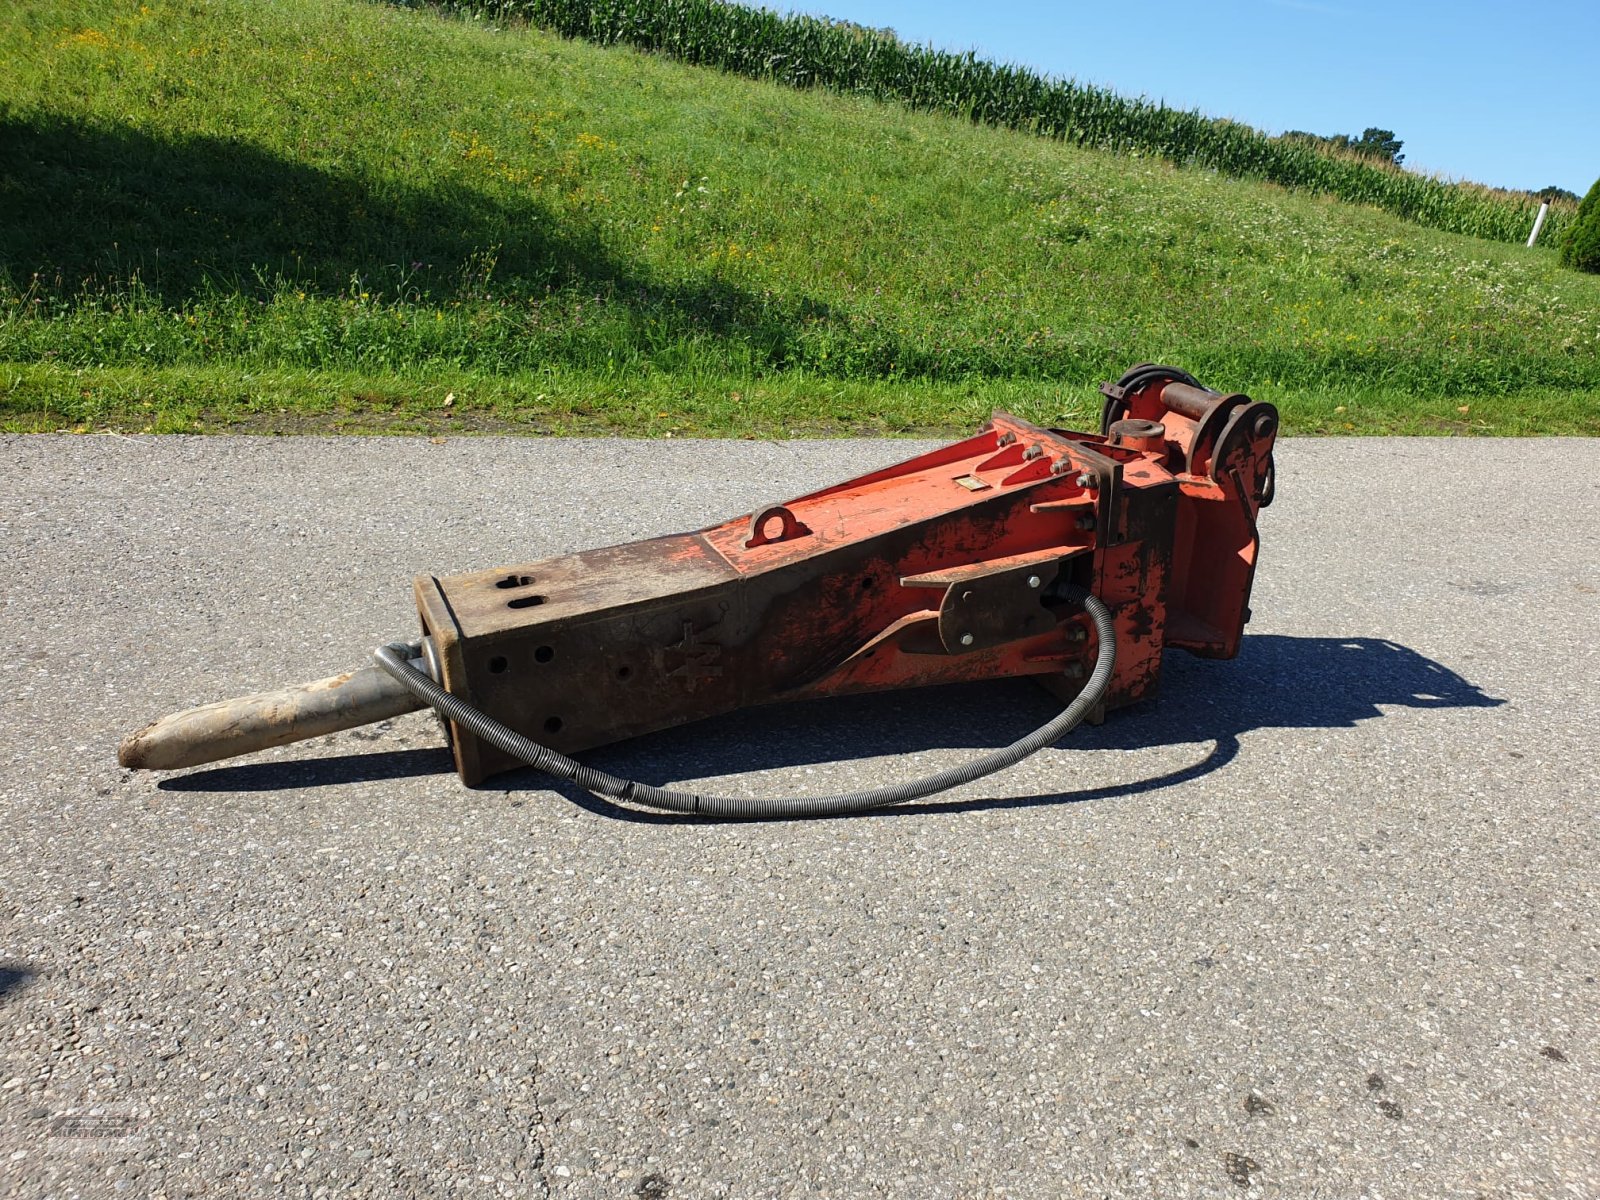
(1538, 224)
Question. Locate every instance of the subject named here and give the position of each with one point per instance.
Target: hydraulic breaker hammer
(1074, 558)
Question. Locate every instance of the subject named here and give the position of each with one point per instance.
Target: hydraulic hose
(394, 658)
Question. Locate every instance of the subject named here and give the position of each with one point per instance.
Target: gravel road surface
(1321, 923)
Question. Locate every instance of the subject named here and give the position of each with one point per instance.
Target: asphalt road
(1322, 923)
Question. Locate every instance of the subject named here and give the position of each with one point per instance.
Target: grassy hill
(340, 214)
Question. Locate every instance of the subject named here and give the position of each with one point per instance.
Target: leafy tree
(1373, 143)
(1580, 248)
(1380, 143)
(1552, 193)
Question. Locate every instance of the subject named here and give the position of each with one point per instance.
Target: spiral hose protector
(394, 657)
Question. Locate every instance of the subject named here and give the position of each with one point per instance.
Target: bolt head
(966, 639)
(1085, 480)
(1034, 581)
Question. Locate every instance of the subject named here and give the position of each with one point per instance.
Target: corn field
(806, 52)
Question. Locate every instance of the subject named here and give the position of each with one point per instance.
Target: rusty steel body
(937, 570)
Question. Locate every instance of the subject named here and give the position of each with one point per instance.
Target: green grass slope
(819, 52)
(337, 214)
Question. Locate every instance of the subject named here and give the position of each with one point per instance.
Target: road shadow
(91, 207)
(329, 771)
(13, 978)
(1277, 681)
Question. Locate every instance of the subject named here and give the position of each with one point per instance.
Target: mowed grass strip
(210, 399)
(341, 214)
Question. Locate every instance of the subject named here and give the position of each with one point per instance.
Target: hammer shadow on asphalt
(1277, 681)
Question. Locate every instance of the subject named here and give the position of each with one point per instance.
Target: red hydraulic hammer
(1075, 558)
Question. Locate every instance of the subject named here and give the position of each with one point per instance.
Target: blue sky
(1502, 93)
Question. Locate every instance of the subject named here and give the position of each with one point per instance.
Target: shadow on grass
(91, 207)
(1276, 682)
